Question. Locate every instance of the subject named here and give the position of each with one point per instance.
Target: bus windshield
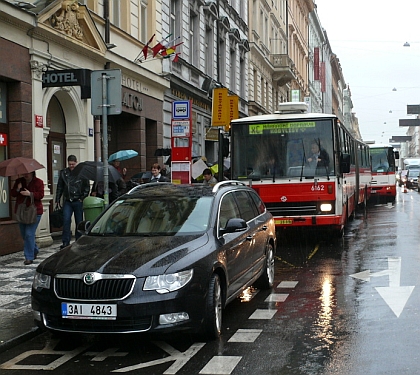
(382, 159)
(290, 149)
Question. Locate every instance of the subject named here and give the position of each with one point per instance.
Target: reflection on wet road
(345, 307)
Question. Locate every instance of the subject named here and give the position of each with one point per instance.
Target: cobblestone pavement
(16, 320)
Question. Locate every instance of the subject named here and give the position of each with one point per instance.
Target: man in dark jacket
(73, 190)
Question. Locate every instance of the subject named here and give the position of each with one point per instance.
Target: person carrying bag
(26, 214)
(28, 188)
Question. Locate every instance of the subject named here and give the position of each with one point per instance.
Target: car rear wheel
(266, 279)
(213, 321)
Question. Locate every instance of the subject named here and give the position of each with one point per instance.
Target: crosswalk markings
(263, 314)
(245, 335)
(276, 297)
(221, 365)
(217, 365)
(287, 284)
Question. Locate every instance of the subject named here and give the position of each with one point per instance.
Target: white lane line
(287, 284)
(276, 297)
(245, 335)
(221, 365)
(263, 314)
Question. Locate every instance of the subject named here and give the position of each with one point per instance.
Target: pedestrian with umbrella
(116, 158)
(74, 190)
(94, 171)
(26, 186)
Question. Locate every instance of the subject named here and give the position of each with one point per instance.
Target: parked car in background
(162, 257)
(403, 177)
(412, 178)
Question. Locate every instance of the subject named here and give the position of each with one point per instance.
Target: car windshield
(155, 216)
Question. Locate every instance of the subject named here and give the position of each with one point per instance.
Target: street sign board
(180, 128)
(113, 91)
(410, 122)
(181, 109)
(413, 109)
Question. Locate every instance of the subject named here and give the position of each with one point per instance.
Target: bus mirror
(345, 163)
(397, 154)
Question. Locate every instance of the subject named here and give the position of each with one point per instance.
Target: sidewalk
(16, 320)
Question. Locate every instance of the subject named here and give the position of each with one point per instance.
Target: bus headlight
(325, 207)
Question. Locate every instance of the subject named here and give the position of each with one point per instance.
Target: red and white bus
(274, 152)
(383, 183)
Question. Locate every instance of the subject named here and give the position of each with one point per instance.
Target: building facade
(263, 52)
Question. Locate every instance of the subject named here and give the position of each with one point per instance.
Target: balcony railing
(283, 68)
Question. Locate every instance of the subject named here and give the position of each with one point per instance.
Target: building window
(209, 51)
(194, 39)
(143, 21)
(116, 15)
(222, 62)
(175, 18)
(232, 64)
(242, 76)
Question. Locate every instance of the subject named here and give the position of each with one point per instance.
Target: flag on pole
(175, 57)
(146, 47)
(170, 50)
(159, 46)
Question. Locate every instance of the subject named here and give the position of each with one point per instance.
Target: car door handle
(264, 227)
(250, 237)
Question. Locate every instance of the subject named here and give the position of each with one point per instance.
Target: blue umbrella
(123, 155)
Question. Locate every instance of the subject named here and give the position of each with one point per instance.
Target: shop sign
(132, 101)
(39, 121)
(69, 77)
(3, 139)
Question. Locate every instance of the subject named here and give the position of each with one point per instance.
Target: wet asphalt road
(349, 307)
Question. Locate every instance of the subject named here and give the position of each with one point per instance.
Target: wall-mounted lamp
(110, 45)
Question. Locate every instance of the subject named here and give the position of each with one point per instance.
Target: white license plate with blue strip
(88, 311)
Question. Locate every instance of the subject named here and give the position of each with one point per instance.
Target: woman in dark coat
(26, 186)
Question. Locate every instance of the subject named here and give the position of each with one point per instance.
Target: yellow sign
(285, 127)
(233, 109)
(220, 104)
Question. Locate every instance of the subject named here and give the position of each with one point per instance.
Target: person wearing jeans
(23, 188)
(73, 190)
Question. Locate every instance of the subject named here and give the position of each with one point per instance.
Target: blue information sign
(181, 109)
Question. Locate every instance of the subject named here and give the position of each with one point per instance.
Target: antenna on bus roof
(292, 107)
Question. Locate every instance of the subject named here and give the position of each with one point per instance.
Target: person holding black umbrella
(74, 190)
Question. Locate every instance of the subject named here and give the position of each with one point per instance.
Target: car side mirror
(234, 225)
(83, 226)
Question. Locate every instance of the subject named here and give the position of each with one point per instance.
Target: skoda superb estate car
(162, 257)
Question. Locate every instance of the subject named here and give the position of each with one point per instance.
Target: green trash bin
(92, 207)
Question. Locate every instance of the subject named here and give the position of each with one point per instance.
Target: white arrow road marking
(179, 358)
(394, 295)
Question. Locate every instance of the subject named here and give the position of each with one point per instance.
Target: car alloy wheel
(214, 308)
(266, 279)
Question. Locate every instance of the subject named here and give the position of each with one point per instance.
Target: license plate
(283, 221)
(88, 311)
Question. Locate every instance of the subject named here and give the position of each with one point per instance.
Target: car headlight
(168, 283)
(41, 281)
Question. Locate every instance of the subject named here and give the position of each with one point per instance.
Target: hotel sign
(69, 77)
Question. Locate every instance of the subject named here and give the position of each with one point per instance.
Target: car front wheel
(213, 321)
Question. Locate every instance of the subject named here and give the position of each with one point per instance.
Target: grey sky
(368, 36)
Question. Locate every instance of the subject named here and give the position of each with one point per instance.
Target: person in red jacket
(25, 186)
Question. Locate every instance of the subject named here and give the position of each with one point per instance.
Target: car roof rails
(227, 183)
(137, 188)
